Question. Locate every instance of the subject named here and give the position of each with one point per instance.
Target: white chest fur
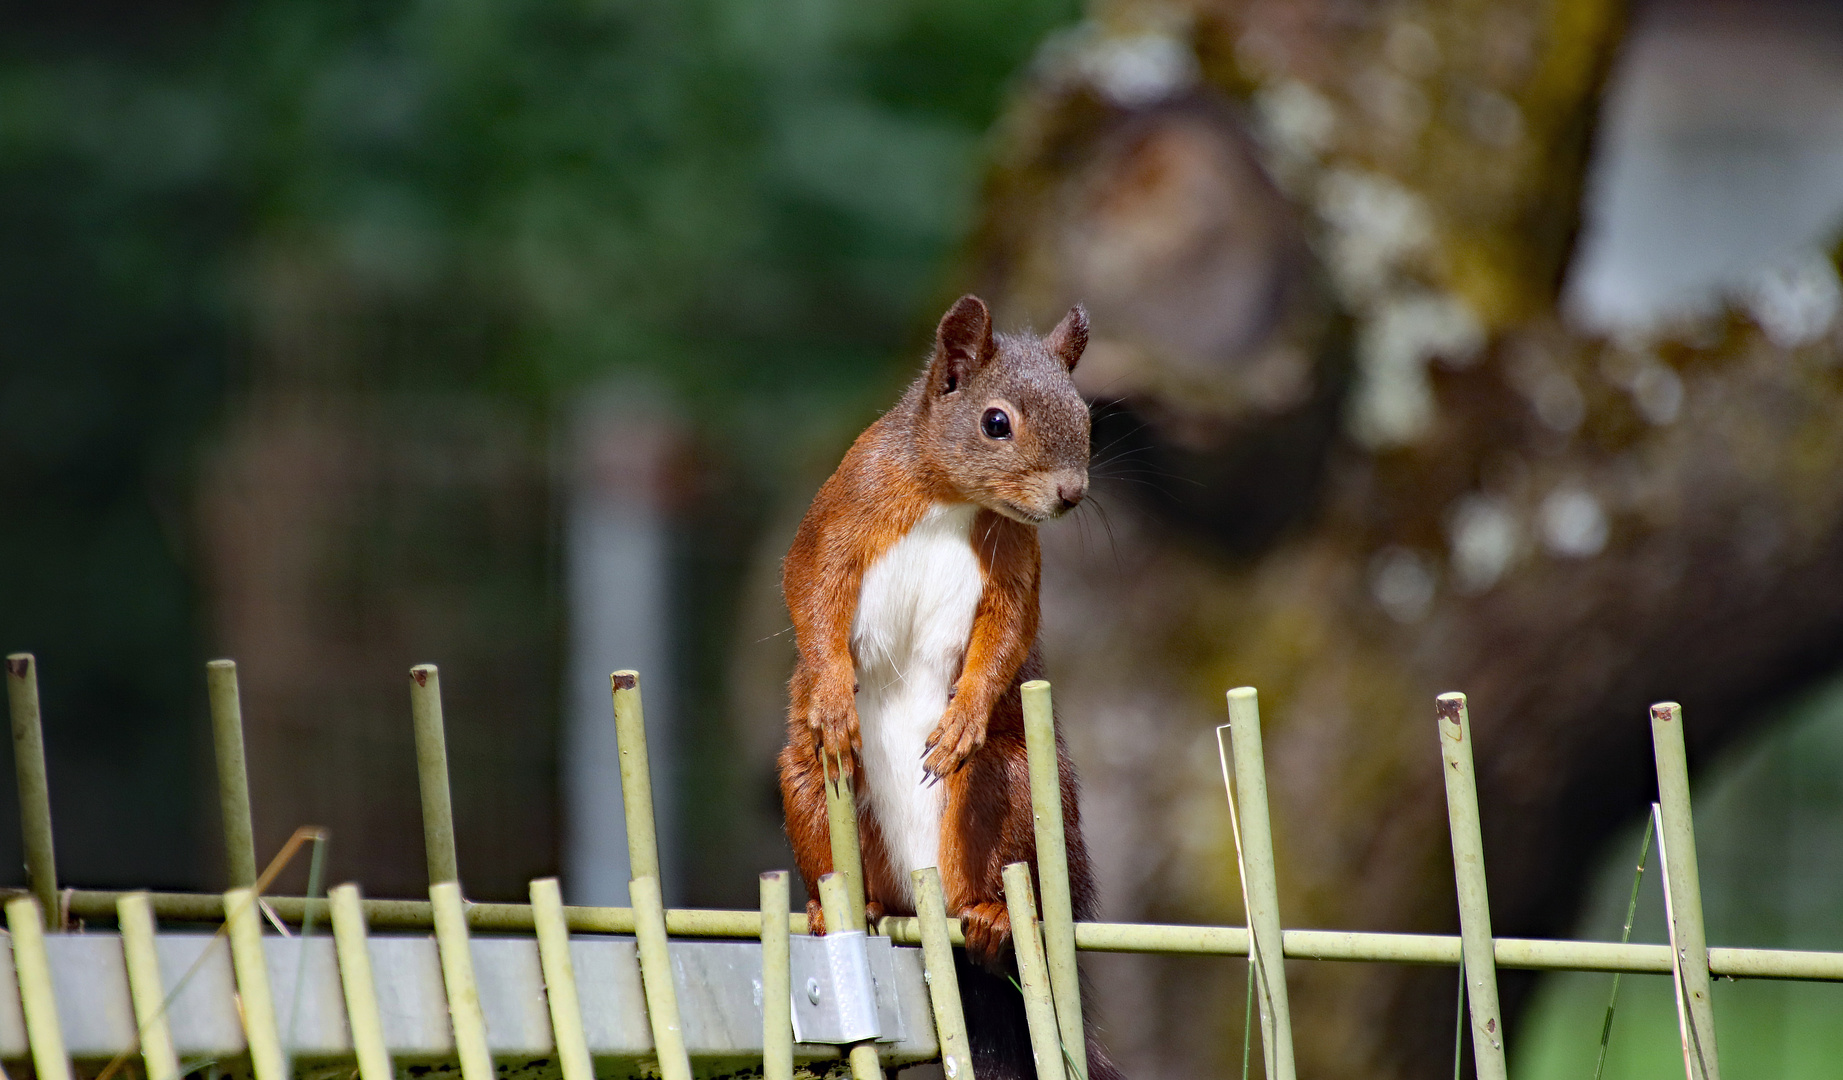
(914, 617)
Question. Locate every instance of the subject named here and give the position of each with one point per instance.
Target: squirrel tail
(999, 1033)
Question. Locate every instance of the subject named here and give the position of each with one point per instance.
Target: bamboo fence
(1046, 936)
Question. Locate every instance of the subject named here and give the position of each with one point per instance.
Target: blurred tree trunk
(1352, 455)
(364, 514)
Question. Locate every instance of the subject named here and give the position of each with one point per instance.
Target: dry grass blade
(1258, 969)
(305, 834)
(1625, 935)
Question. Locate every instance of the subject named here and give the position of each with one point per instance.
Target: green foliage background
(749, 201)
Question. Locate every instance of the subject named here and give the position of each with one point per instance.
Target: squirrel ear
(962, 345)
(1070, 337)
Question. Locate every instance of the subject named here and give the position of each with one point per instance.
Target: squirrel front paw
(832, 714)
(960, 735)
(987, 927)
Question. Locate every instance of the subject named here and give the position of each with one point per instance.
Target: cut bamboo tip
(432, 774)
(636, 775)
(233, 771)
(146, 993)
(34, 785)
(464, 1013)
(560, 980)
(1033, 973)
(254, 996)
(357, 983)
(777, 1005)
(37, 1000)
(656, 979)
(943, 981)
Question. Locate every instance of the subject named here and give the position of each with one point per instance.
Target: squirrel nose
(1071, 494)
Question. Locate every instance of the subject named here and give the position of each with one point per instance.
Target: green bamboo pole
(636, 776)
(1033, 973)
(835, 900)
(43, 1032)
(847, 857)
(1053, 870)
(355, 979)
(560, 980)
(98, 905)
(1343, 946)
(943, 981)
(451, 941)
(656, 979)
(1469, 875)
(233, 772)
(432, 774)
(34, 785)
(1677, 854)
(135, 916)
(252, 970)
(777, 992)
(1255, 833)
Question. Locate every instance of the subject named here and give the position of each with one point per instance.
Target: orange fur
(916, 456)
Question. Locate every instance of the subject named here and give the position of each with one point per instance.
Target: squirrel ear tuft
(962, 344)
(1070, 337)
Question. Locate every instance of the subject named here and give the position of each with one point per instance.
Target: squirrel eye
(995, 424)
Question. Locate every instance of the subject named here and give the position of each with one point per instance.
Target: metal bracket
(844, 989)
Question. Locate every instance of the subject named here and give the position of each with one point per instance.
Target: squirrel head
(1000, 421)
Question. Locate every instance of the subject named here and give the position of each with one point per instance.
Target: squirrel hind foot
(987, 927)
(816, 916)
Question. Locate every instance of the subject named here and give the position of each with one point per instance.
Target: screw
(812, 991)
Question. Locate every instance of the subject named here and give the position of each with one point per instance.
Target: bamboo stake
(777, 991)
(432, 774)
(656, 979)
(636, 777)
(457, 958)
(252, 969)
(1677, 836)
(355, 978)
(1053, 870)
(943, 981)
(1469, 873)
(835, 899)
(560, 980)
(34, 785)
(1261, 884)
(847, 857)
(33, 969)
(145, 989)
(233, 772)
(1033, 973)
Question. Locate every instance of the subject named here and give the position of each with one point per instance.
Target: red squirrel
(913, 586)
